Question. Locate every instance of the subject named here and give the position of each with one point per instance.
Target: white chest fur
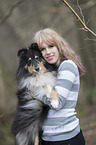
(41, 84)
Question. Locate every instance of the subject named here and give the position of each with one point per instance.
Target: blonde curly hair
(51, 37)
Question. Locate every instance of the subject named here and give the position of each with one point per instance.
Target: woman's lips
(49, 57)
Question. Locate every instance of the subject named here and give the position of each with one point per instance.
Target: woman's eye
(50, 46)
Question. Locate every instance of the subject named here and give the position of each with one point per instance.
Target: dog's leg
(36, 140)
(54, 98)
(49, 88)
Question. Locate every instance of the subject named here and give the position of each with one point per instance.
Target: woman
(61, 126)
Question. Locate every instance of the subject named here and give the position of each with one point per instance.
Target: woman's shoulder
(69, 61)
(68, 65)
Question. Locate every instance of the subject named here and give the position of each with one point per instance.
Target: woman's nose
(47, 51)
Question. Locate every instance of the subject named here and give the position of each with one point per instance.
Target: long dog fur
(34, 77)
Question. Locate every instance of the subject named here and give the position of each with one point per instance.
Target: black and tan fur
(34, 77)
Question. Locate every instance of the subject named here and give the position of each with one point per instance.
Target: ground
(87, 122)
(88, 125)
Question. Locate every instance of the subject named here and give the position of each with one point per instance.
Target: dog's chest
(39, 81)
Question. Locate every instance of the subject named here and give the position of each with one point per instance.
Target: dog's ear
(22, 52)
(33, 46)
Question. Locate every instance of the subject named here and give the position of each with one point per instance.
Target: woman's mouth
(50, 57)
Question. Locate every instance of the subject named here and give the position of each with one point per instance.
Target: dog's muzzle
(37, 68)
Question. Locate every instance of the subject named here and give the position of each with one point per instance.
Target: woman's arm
(67, 72)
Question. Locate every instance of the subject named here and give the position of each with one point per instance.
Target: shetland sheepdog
(35, 77)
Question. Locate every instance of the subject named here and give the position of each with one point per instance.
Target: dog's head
(31, 59)
(31, 62)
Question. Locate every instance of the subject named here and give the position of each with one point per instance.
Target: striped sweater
(62, 123)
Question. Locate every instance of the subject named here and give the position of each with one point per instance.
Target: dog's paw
(54, 103)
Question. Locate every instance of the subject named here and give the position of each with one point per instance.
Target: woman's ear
(22, 52)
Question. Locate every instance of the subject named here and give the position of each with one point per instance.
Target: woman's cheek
(43, 54)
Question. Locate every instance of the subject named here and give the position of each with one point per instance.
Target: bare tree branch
(81, 11)
(3, 19)
(78, 17)
(90, 39)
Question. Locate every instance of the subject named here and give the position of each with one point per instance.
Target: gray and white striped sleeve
(67, 72)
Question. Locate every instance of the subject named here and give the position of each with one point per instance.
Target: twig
(90, 39)
(81, 11)
(2, 20)
(81, 21)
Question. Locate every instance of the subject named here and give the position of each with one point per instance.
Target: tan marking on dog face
(31, 68)
(36, 57)
(30, 58)
(40, 64)
(26, 66)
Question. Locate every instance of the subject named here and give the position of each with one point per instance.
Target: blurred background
(19, 20)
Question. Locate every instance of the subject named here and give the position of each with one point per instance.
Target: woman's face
(50, 54)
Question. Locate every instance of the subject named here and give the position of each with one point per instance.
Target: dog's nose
(37, 68)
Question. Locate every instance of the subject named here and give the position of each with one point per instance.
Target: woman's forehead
(47, 41)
